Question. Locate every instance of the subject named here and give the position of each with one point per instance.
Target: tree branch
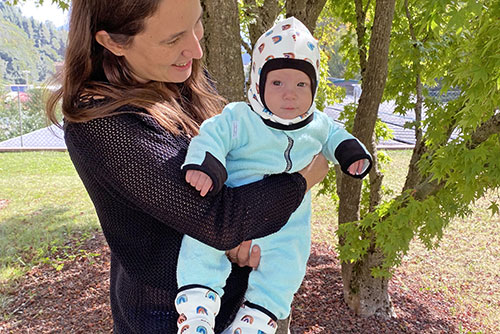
(374, 76)
(367, 6)
(306, 11)
(265, 16)
(429, 187)
(313, 9)
(413, 176)
(246, 46)
(360, 32)
(485, 130)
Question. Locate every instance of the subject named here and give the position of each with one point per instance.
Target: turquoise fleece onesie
(245, 143)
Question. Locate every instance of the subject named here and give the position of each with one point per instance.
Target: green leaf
(494, 208)
(59, 267)
(476, 7)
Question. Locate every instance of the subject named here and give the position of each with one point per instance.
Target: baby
(280, 131)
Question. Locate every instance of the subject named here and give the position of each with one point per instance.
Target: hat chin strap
(286, 121)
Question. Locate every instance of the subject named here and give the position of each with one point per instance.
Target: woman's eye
(277, 83)
(172, 42)
(302, 84)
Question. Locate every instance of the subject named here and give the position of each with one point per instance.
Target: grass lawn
(44, 210)
(464, 269)
(46, 214)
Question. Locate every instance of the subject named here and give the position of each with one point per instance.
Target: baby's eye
(276, 83)
(302, 84)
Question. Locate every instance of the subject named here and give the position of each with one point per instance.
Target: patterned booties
(250, 320)
(197, 308)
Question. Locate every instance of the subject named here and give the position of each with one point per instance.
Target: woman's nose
(193, 49)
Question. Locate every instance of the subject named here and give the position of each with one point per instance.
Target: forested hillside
(27, 45)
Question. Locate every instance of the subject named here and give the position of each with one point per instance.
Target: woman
(133, 94)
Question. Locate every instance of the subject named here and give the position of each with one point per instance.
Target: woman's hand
(316, 171)
(241, 255)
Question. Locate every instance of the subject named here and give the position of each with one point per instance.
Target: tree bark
(222, 47)
(264, 16)
(306, 11)
(360, 33)
(485, 130)
(365, 294)
(283, 325)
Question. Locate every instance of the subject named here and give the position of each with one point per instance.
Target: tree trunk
(365, 294)
(264, 16)
(413, 177)
(283, 325)
(306, 11)
(222, 47)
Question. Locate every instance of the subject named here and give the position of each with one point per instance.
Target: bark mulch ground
(75, 300)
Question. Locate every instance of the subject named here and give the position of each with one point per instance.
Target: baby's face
(288, 93)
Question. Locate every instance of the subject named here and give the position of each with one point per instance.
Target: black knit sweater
(130, 167)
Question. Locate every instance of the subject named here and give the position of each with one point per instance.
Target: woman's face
(165, 49)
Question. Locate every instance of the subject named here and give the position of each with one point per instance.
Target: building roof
(403, 138)
(52, 138)
(49, 138)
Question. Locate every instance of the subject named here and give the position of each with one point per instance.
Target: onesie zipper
(287, 154)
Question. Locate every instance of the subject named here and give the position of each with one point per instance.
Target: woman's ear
(103, 38)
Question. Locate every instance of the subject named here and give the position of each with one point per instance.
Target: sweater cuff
(350, 151)
(301, 183)
(213, 168)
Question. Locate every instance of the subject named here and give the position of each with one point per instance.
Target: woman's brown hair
(91, 71)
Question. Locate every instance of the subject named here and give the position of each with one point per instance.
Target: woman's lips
(183, 66)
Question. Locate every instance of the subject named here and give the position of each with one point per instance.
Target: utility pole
(20, 114)
(25, 72)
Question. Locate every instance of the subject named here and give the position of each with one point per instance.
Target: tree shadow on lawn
(71, 300)
(55, 216)
(319, 305)
(39, 232)
(75, 300)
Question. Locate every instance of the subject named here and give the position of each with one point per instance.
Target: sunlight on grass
(47, 206)
(324, 215)
(9, 273)
(464, 268)
(45, 214)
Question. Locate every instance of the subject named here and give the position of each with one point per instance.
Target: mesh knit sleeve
(138, 162)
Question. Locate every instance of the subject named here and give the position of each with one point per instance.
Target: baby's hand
(357, 167)
(201, 181)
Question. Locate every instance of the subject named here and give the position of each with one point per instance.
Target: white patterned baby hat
(288, 44)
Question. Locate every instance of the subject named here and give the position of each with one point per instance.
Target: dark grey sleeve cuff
(213, 168)
(350, 151)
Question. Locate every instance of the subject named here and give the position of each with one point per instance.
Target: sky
(43, 13)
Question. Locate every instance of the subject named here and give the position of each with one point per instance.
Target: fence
(23, 125)
(46, 139)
